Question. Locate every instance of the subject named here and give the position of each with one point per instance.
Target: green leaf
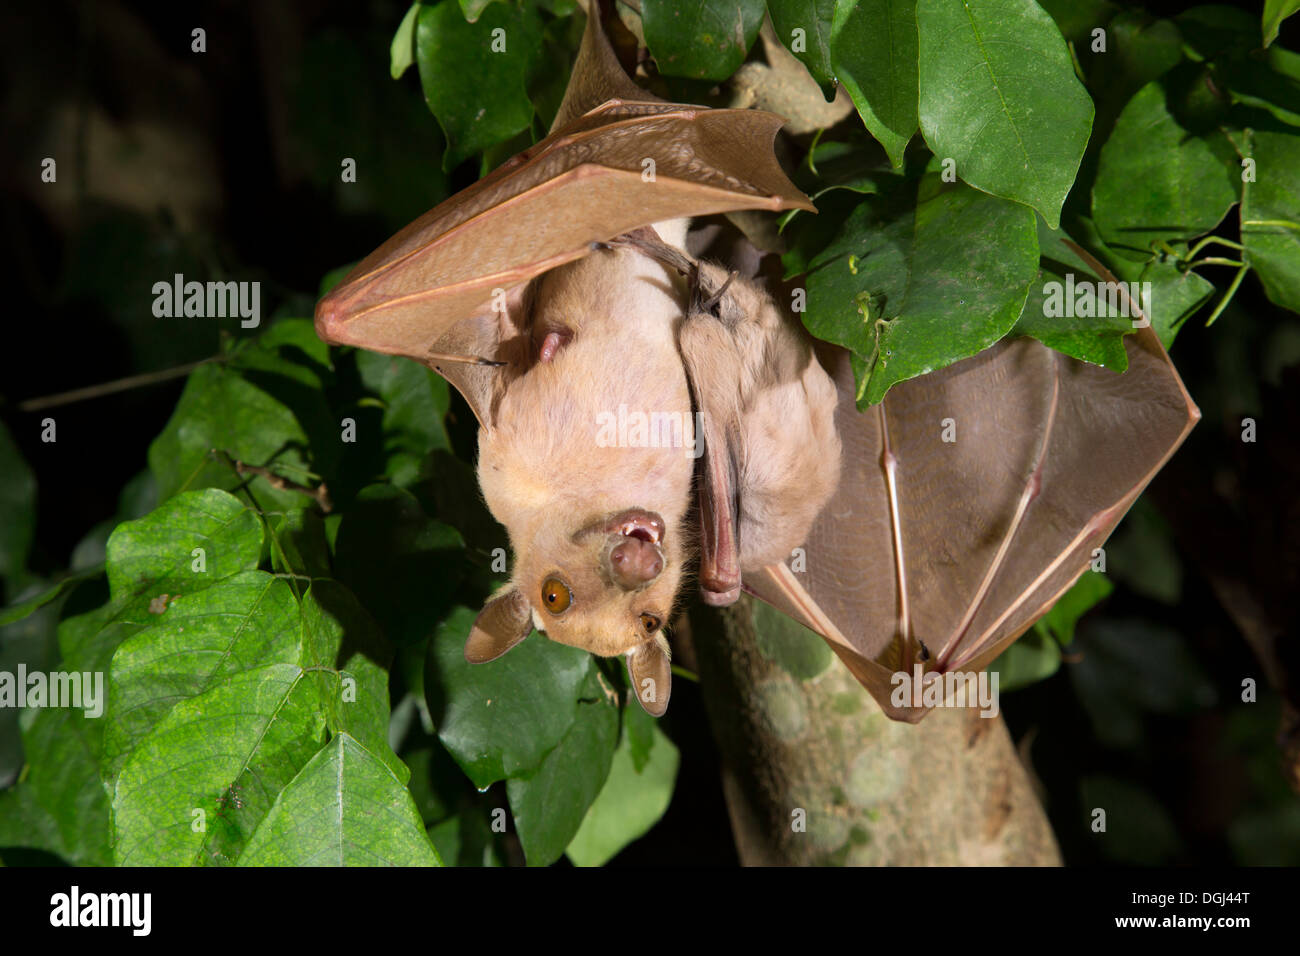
(1035, 657)
(33, 643)
(840, 164)
(874, 46)
(796, 649)
(248, 620)
(196, 787)
(349, 659)
(913, 294)
(1052, 308)
(21, 609)
(402, 565)
(147, 558)
(550, 76)
(1078, 18)
(402, 52)
(1270, 215)
(813, 45)
(998, 94)
(17, 507)
(549, 804)
(345, 808)
(25, 823)
(638, 732)
(500, 719)
(1214, 30)
(1275, 11)
(220, 409)
(1272, 85)
(61, 806)
(465, 839)
(303, 548)
(289, 347)
(702, 41)
(158, 550)
(1155, 181)
(1178, 296)
(473, 9)
(828, 171)
(416, 400)
(1139, 49)
(475, 75)
(1091, 588)
(1175, 293)
(631, 802)
(186, 545)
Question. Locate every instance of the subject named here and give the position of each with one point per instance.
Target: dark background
(225, 165)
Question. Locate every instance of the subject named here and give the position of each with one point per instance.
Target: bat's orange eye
(650, 623)
(556, 595)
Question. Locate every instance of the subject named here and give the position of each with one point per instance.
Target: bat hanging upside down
(556, 294)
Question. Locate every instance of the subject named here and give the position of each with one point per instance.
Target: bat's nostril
(633, 563)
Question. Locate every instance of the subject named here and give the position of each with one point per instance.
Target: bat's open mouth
(646, 525)
(633, 523)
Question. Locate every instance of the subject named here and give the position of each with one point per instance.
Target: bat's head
(607, 587)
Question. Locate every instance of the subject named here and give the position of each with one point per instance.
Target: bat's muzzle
(634, 563)
(634, 556)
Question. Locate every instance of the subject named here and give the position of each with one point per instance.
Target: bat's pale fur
(754, 368)
(629, 341)
(542, 471)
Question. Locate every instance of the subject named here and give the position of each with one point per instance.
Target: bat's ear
(652, 676)
(504, 622)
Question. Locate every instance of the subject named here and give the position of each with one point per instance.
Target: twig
(109, 388)
(320, 492)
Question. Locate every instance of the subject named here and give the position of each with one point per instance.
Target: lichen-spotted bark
(817, 751)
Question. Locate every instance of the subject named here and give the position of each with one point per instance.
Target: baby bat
(558, 291)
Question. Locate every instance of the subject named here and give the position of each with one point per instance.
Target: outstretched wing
(942, 552)
(448, 288)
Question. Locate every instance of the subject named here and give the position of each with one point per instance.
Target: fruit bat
(558, 296)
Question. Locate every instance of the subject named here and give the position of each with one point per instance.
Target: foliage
(269, 661)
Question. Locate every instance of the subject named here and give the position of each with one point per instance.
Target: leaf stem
(1227, 296)
(1211, 240)
(1280, 223)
